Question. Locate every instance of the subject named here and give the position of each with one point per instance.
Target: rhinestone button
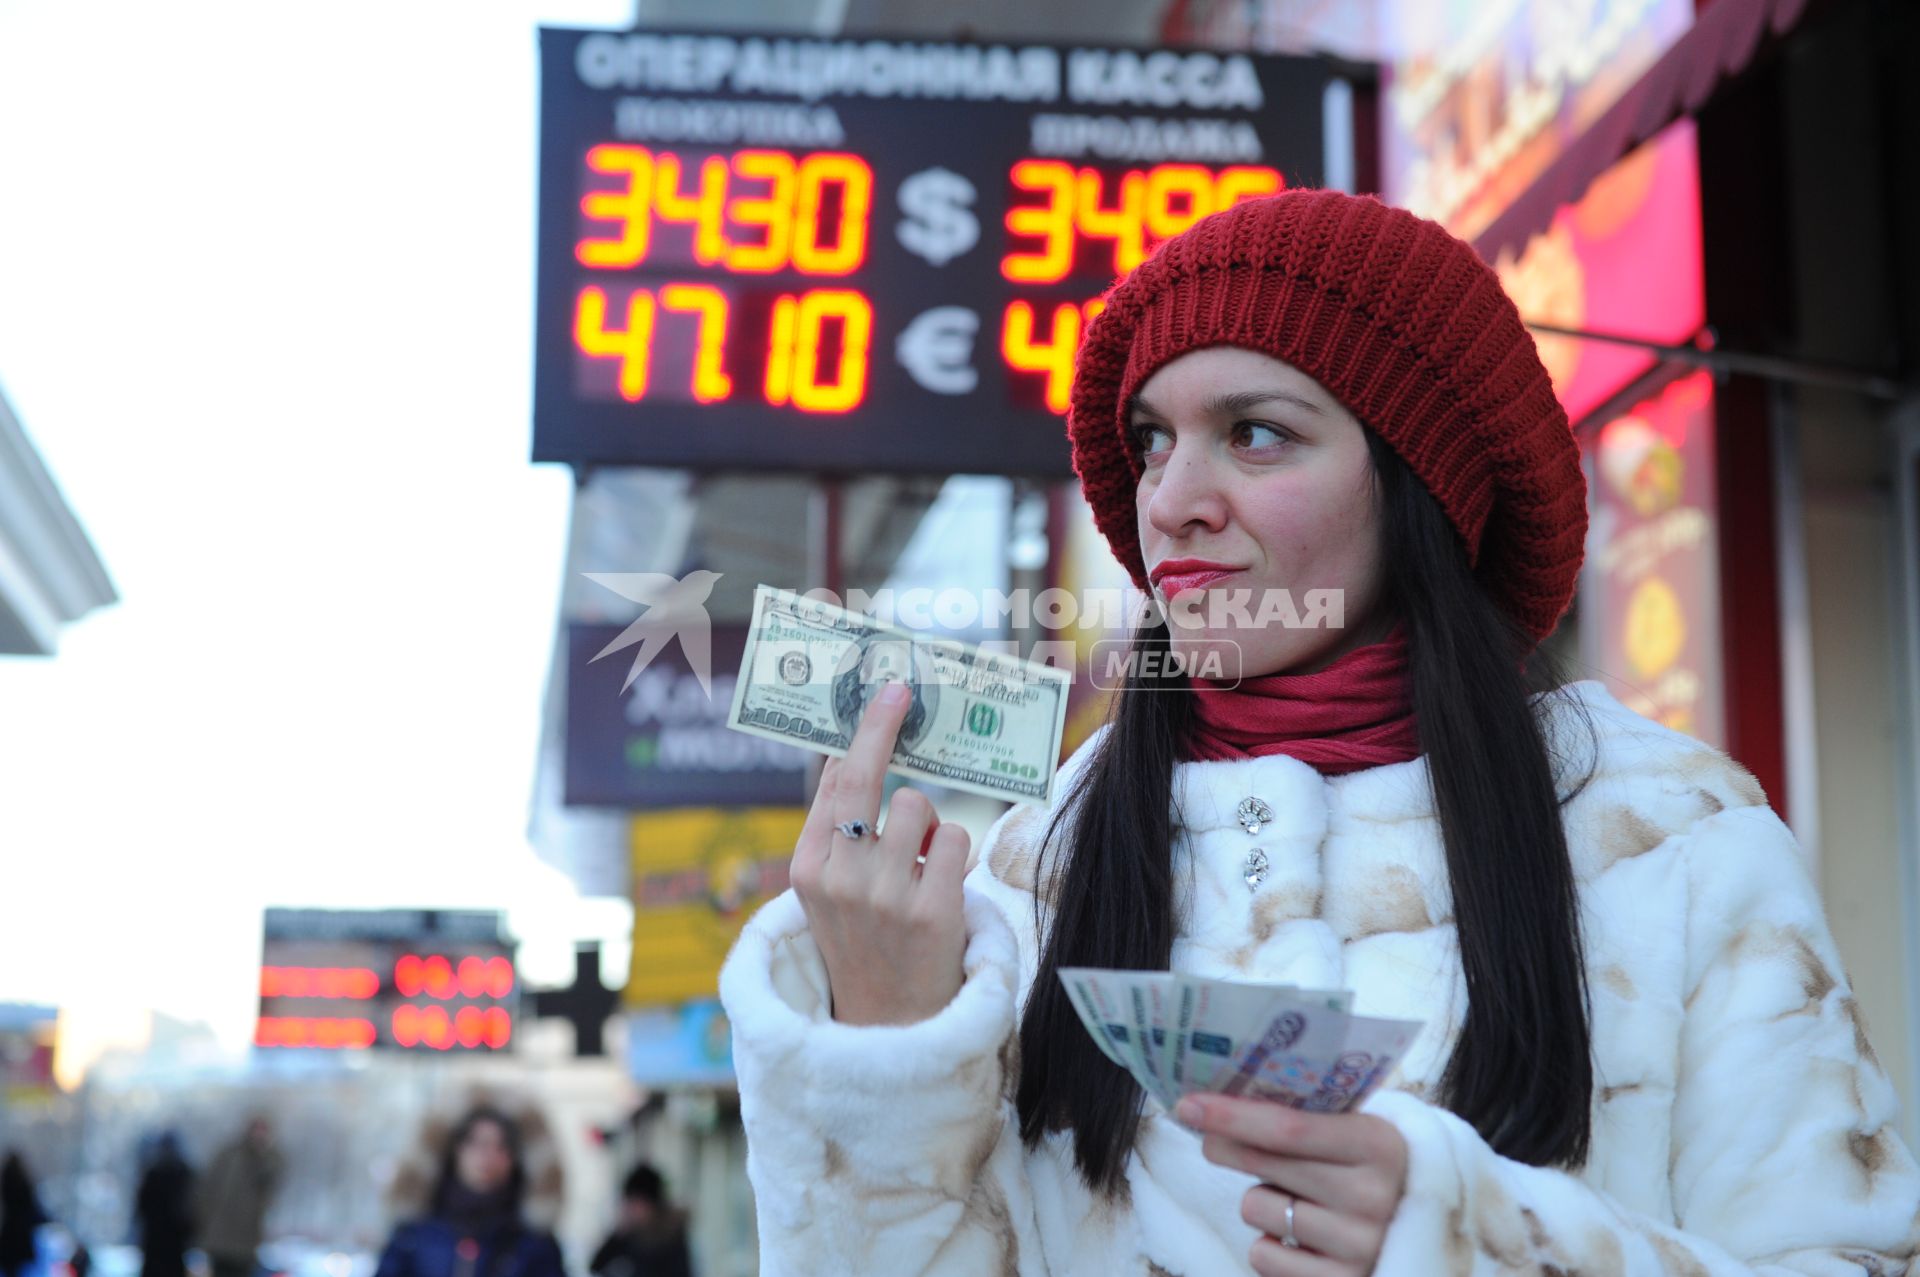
(1252, 814)
(1255, 868)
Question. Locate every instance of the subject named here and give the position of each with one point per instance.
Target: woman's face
(1257, 488)
(484, 1162)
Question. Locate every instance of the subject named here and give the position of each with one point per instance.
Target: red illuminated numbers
(414, 976)
(417, 976)
(433, 1027)
(1175, 196)
(444, 979)
(324, 1033)
(705, 209)
(1051, 222)
(633, 345)
(627, 207)
(795, 340)
(784, 211)
(1052, 356)
(706, 301)
(499, 977)
(485, 977)
(630, 345)
(1134, 211)
(1125, 223)
(793, 356)
(772, 212)
(854, 180)
(353, 983)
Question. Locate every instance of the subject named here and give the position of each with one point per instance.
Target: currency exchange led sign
(884, 273)
(422, 1001)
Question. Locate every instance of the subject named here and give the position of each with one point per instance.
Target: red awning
(1721, 43)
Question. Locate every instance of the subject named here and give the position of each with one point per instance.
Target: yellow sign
(1086, 564)
(698, 875)
(1650, 600)
(1655, 628)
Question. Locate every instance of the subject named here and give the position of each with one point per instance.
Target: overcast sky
(266, 311)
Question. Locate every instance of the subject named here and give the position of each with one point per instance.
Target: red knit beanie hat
(1403, 324)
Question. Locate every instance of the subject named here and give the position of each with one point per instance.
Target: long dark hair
(1521, 1072)
(448, 1180)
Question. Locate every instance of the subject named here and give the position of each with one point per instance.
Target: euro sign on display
(936, 349)
(937, 224)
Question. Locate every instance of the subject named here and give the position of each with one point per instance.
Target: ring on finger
(855, 829)
(1276, 1214)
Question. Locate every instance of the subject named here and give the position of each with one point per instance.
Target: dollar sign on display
(937, 225)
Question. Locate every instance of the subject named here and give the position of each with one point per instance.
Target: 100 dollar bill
(986, 722)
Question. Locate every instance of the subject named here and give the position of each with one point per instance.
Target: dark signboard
(874, 255)
(403, 979)
(664, 740)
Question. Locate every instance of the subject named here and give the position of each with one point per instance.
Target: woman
(1640, 1053)
(20, 1217)
(473, 1226)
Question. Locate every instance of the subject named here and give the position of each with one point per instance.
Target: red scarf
(1354, 714)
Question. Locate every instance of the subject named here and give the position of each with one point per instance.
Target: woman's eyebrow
(1240, 401)
(1235, 401)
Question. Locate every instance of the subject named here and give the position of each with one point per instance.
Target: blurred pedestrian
(163, 1209)
(20, 1217)
(234, 1195)
(651, 1240)
(474, 1226)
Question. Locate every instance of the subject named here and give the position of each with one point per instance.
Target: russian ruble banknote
(1178, 1034)
(982, 721)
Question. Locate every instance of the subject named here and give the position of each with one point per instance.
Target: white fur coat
(1740, 1121)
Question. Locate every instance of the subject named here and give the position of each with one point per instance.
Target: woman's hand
(888, 924)
(1343, 1172)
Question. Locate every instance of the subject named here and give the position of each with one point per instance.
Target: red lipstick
(1176, 575)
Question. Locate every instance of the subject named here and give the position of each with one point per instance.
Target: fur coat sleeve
(1783, 1156)
(880, 1149)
